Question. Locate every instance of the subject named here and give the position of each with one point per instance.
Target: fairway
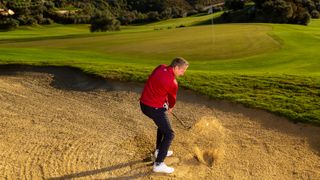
(200, 43)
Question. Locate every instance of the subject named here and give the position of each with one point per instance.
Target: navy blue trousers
(165, 134)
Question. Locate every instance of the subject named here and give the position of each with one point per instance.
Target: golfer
(158, 96)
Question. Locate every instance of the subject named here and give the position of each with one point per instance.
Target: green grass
(269, 66)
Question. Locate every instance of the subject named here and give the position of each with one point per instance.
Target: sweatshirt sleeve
(172, 94)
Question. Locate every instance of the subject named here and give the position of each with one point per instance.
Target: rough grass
(296, 97)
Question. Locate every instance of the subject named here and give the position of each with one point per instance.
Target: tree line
(97, 12)
(273, 11)
(109, 14)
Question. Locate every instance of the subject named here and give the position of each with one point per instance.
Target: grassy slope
(273, 67)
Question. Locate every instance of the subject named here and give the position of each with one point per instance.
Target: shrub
(127, 17)
(217, 9)
(166, 13)
(181, 26)
(315, 14)
(46, 21)
(104, 23)
(278, 11)
(304, 18)
(27, 20)
(234, 4)
(153, 16)
(8, 24)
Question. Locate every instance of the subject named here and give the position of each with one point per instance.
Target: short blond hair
(179, 61)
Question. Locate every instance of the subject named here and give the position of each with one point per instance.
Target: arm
(172, 94)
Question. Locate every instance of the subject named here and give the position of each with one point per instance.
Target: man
(158, 96)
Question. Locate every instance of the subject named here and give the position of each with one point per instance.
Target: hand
(165, 105)
(170, 110)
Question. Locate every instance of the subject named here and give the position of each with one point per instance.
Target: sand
(59, 123)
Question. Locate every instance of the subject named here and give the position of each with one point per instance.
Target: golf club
(181, 122)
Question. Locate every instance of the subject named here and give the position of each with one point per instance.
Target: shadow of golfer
(104, 170)
(134, 176)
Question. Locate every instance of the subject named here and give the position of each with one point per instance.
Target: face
(179, 71)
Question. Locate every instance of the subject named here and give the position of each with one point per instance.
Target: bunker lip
(58, 122)
(70, 78)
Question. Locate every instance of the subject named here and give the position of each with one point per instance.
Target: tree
(234, 4)
(104, 23)
(178, 8)
(145, 6)
(279, 11)
(283, 11)
(315, 14)
(8, 23)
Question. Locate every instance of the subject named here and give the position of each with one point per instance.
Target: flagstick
(212, 39)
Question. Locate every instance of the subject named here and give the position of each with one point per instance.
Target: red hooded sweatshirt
(161, 87)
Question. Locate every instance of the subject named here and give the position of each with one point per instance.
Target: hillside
(24, 12)
(124, 12)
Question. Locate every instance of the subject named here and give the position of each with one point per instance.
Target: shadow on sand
(70, 78)
(128, 175)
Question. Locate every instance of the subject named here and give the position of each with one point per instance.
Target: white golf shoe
(162, 168)
(169, 153)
